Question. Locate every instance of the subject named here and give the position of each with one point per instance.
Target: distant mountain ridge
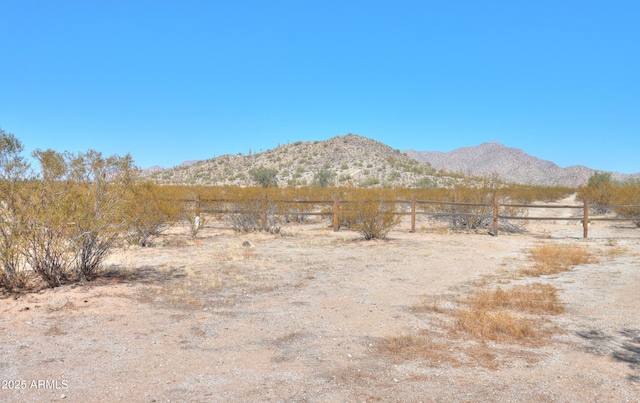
(511, 164)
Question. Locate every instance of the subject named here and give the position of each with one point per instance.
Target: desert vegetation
(244, 289)
(554, 258)
(61, 219)
(607, 196)
(500, 314)
(372, 212)
(368, 213)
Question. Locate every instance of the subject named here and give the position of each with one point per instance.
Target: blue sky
(169, 81)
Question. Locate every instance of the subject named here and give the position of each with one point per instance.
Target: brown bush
(528, 193)
(474, 206)
(298, 211)
(255, 209)
(369, 213)
(149, 212)
(628, 194)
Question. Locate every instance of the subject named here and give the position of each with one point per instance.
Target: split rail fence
(200, 207)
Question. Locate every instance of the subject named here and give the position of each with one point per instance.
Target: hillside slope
(350, 160)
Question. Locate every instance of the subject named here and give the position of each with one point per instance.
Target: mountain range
(510, 164)
(360, 161)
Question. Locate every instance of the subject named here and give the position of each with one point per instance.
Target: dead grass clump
(533, 298)
(421, 346)
(615, 251)
(495, 314)
(495, 325)
(190, 292)
(555, 258)
(483, 355)
(429, 303)
(55, 331)
(289, 337)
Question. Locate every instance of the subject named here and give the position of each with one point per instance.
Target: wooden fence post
(585, 219)
(336, 206)
(496, 207)
(413, 213)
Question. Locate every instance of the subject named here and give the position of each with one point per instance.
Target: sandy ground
(303, 316)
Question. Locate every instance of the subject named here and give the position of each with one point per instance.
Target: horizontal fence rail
(336, 202)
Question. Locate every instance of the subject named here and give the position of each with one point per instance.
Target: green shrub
(323, 178)
(599, 192)
(265, 177)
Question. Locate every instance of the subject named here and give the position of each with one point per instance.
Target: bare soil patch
(314, 315)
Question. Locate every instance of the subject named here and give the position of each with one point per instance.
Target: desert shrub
(97, 206)
(192, 217)
(425, 182)
(71, 213)
(255, 209)
(369, 213)
(297, 211)
(13, 171)
(627, 199)
(529, 193)
(65, 219)
(265, 177)
(177, 204)
(47, 211)
(473, 208)
(471, 216)
(242, 215)
(149, 212)
(371, 181)
(599, 192)
(323, 178)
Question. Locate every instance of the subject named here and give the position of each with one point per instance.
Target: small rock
(247, 244)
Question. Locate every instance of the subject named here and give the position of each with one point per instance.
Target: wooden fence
(495, 206)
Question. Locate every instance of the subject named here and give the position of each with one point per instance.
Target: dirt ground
(305, 316)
